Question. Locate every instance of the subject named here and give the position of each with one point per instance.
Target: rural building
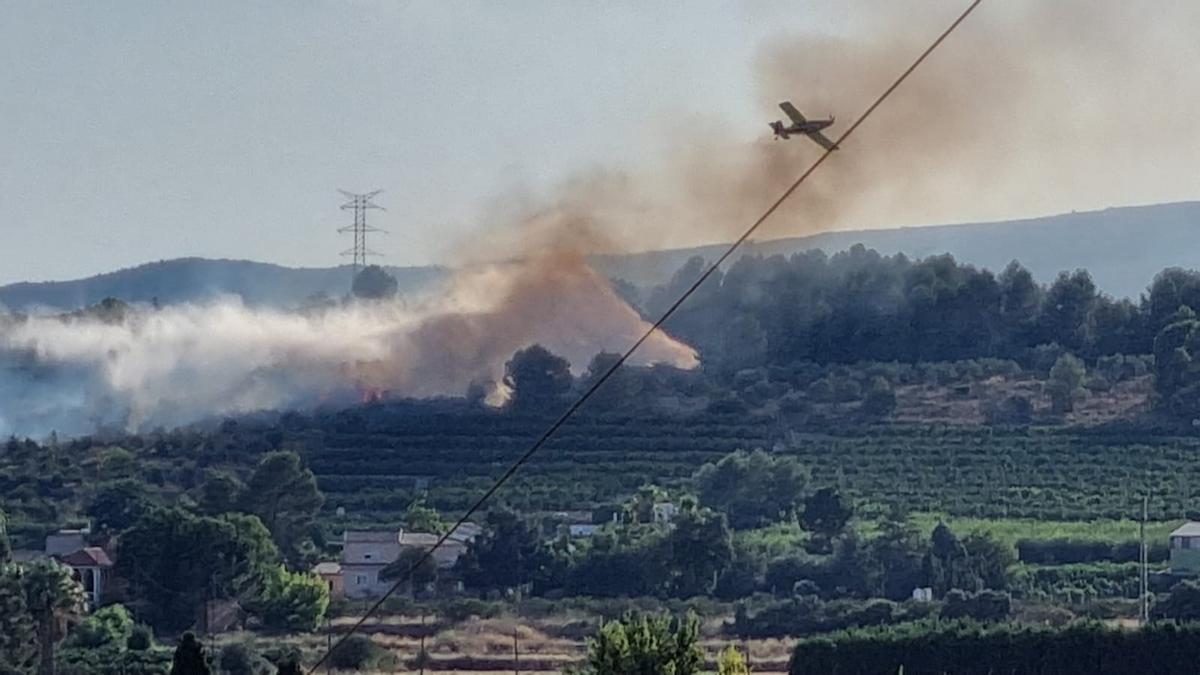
(365, 553)
(1185, 549)
(331, 574)
(91, 567)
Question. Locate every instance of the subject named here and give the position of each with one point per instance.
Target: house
(664, 513)
(92, 568)
(331, 574)
(364, 555)
(583, 529)
(446, 556)
(1185, 549)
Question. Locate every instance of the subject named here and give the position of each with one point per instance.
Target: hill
(199, 279)
(1123, 248)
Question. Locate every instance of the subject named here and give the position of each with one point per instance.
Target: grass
(1011, 530)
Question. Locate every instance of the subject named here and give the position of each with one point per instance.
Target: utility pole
(1145, 560)
(360, 204)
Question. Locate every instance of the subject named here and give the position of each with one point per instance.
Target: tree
(639, 510)
(53, 598)
(189, 657)
(374, 283)
(1066, 383)
(752, 489)
(947, 565)
(420, 517)
(111, 625)
(826, 514)
(1066, 309)
(294, 601)
(283, 493)
(18, 637)
(620, 389)
(1183, 603)
(175, 560)
(119, 504)
(5, 544)
(701, 549)
(220, 493)
(1177, 364)
(355, 652)
(421, 568)
(646, 646)
(895, 559)
(990, 560)
(536, 378)
(238, 659)
(880, 399)
(506, 555)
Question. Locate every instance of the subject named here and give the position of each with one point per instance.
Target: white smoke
(185, 363)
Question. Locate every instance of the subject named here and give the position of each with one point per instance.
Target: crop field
(1034, 480)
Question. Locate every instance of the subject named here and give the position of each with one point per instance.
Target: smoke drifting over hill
(1019, 106)
(181, 364)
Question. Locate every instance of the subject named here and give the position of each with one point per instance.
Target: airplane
(810, 128)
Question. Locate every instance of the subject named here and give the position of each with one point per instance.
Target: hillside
(1123, 248)
(199, 279)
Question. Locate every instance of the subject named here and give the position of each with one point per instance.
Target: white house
(664, 513)
(364, 555)
(1185, 549)
(366, 552)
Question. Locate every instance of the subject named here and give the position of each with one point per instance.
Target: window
(367, 556)
(360, 580)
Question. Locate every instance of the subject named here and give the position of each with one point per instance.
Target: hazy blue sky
(135, 131)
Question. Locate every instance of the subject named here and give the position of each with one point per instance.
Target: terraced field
(377, 462)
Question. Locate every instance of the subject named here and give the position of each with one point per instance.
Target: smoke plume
(1031, 107)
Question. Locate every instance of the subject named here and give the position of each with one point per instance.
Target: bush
(238, 659)
(966, 649)
(982, 606)
(111, 625)
(140, 639)
(356, 652)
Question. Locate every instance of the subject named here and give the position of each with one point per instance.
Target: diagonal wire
(587, 394)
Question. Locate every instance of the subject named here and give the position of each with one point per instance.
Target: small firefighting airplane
(810, 128)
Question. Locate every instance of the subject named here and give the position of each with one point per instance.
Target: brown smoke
(1031, 107)
(552, 298)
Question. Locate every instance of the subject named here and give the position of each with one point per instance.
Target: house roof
(327, 568)
(1188, 529)
(90, 556)
(371, 536)
(418, 539)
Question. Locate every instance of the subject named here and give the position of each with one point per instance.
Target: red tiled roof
(91, 556)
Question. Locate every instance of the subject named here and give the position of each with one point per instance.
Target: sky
(139, 131)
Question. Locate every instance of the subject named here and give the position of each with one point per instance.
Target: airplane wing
(791, 111)
(822, 140)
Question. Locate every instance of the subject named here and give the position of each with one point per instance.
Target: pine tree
(18, 640)
(189, 657)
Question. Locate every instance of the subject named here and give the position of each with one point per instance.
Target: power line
(360, 204)
(587, 394)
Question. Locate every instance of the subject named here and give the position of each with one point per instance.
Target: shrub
(356, 652)
(238, 659)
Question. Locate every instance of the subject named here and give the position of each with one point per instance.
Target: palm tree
(53, 598)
